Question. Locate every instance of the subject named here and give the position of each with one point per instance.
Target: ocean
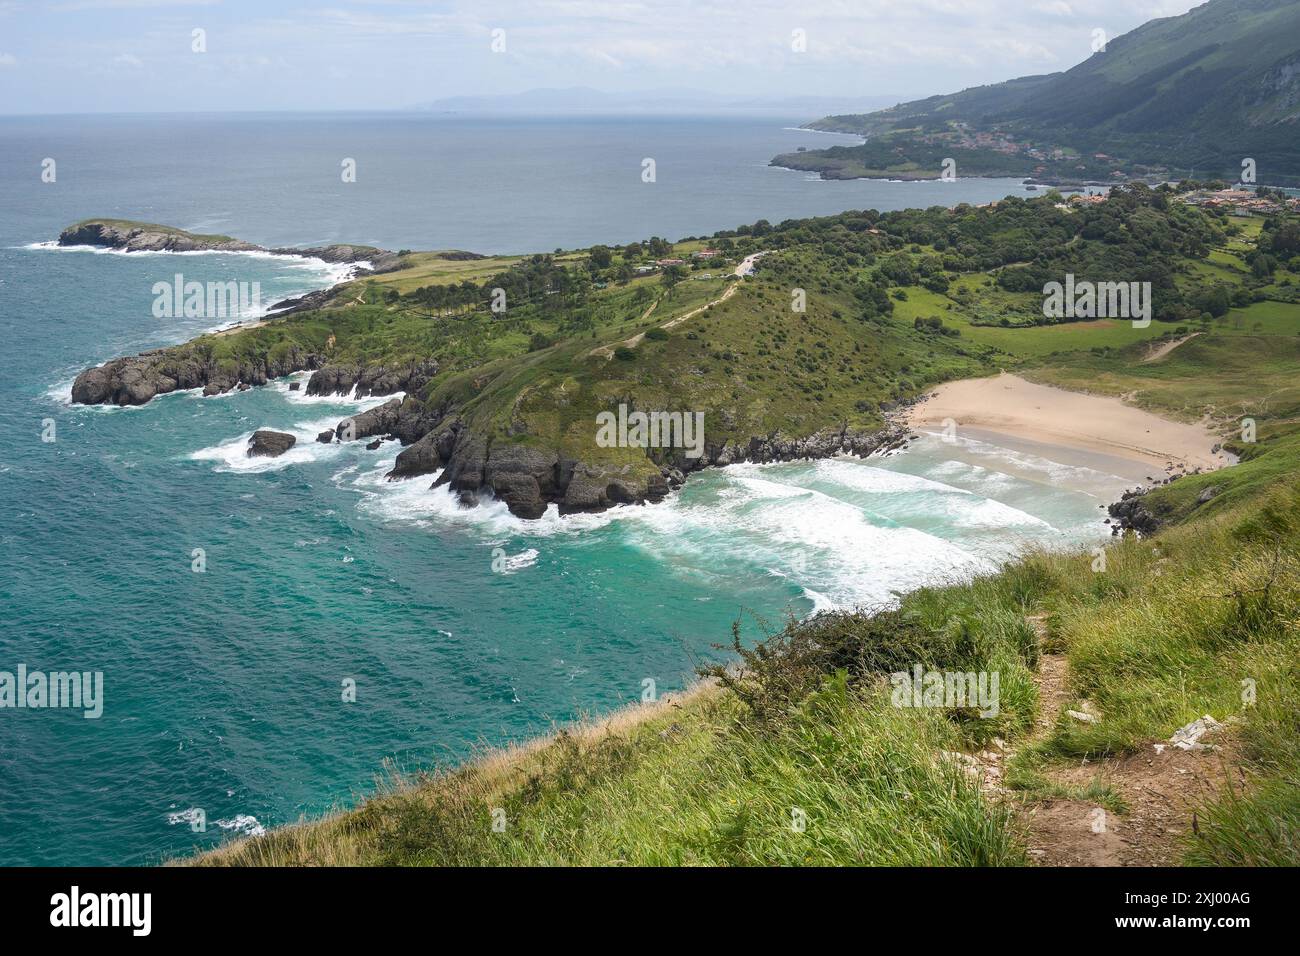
(223, 689)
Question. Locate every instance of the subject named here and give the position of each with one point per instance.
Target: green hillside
(843, 319)
(1198, 92)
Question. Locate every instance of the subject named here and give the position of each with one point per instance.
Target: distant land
(581, 99)
(1193, 96)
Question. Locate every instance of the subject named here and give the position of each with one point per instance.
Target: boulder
(427, 455)
(270, 444)
(376, 421)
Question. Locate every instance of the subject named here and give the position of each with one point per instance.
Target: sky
(90, 56)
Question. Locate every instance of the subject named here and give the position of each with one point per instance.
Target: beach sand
(1093, 430)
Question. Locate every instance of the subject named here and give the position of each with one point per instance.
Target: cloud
(8, 61)
(133, 4)
(396, 51)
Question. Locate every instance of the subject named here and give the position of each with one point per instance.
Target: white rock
(1188, 737)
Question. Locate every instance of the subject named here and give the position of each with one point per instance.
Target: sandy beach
(1098, 430)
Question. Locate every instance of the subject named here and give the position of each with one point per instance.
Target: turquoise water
(223, 689)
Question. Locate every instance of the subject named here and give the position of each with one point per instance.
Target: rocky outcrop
(428, 454)
(150, 237)
(1130, 513)
(136, 379)
(270, 444)
(597, 487)
(378, 260)
(377, 421)
(529, 478)
(146, 237)
(410, 377)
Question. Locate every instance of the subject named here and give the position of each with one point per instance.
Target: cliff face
(528, 478)
(136, 379)
(133, 237)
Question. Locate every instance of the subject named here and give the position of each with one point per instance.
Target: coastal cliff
(130, 236)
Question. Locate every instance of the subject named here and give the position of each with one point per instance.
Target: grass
(846, 778)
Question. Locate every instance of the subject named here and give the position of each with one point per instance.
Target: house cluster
(699, 255)
(964, 137)
(1245, 201)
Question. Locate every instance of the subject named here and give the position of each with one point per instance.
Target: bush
(775, 675)
(624, 354)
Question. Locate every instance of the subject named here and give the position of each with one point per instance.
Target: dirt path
(745, 268)
(1160, 351)
(1160, 787)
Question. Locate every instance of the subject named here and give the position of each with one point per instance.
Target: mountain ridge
(1199, 92)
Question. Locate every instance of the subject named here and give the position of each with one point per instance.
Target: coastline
(1095, 430)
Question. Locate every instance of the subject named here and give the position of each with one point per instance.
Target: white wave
(1053, 472)
(244, 823)
(414, 499)
(341, 270)
(838, 530)
(190, 816)
(863, 476)
(820, 602)
(232, 455)
(61, 391)
(517, 562)
(300, 396)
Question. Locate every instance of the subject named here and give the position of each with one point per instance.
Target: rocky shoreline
(138, 379)
(146, 237)
(527, 477)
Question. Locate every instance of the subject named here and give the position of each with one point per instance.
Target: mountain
(1200, 92)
